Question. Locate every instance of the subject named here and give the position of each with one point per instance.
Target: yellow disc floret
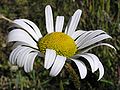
(62, 43)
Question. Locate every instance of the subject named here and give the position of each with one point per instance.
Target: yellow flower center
(62, 43)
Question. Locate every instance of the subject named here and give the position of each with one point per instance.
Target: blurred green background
(97, 14)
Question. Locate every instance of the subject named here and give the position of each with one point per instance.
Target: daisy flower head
(57, 46)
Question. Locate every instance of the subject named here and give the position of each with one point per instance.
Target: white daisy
(57, 46)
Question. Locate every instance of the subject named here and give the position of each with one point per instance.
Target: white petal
(101, 70)
(89, 59)
(31, 58)
(18, 43)
(50, 56)
(81, 67)
(25, 62)
(94, 34)
(89, 36)
(97, 65)
(95, 40)
(74, 22)
(58, 65)
(27, 28)
(35, 28)
(13, 54)
(100, 44)
(49, 19)
(29, 63)
(22, 36)
(67, 26)
(81, 38)
(95, 61)
(23, 55)
(59, 23)
(16, 53)
(77, 33)
(19, 53)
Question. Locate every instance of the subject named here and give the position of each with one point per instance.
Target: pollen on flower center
(62, 43)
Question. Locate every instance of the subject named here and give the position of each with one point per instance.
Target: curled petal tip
(48, 6)
(79, 10)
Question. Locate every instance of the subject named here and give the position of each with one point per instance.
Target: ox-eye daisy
(57, 46)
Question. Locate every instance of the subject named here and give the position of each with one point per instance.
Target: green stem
(74, 76)
(61, 85)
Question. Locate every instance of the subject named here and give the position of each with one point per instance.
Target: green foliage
(97, 14)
